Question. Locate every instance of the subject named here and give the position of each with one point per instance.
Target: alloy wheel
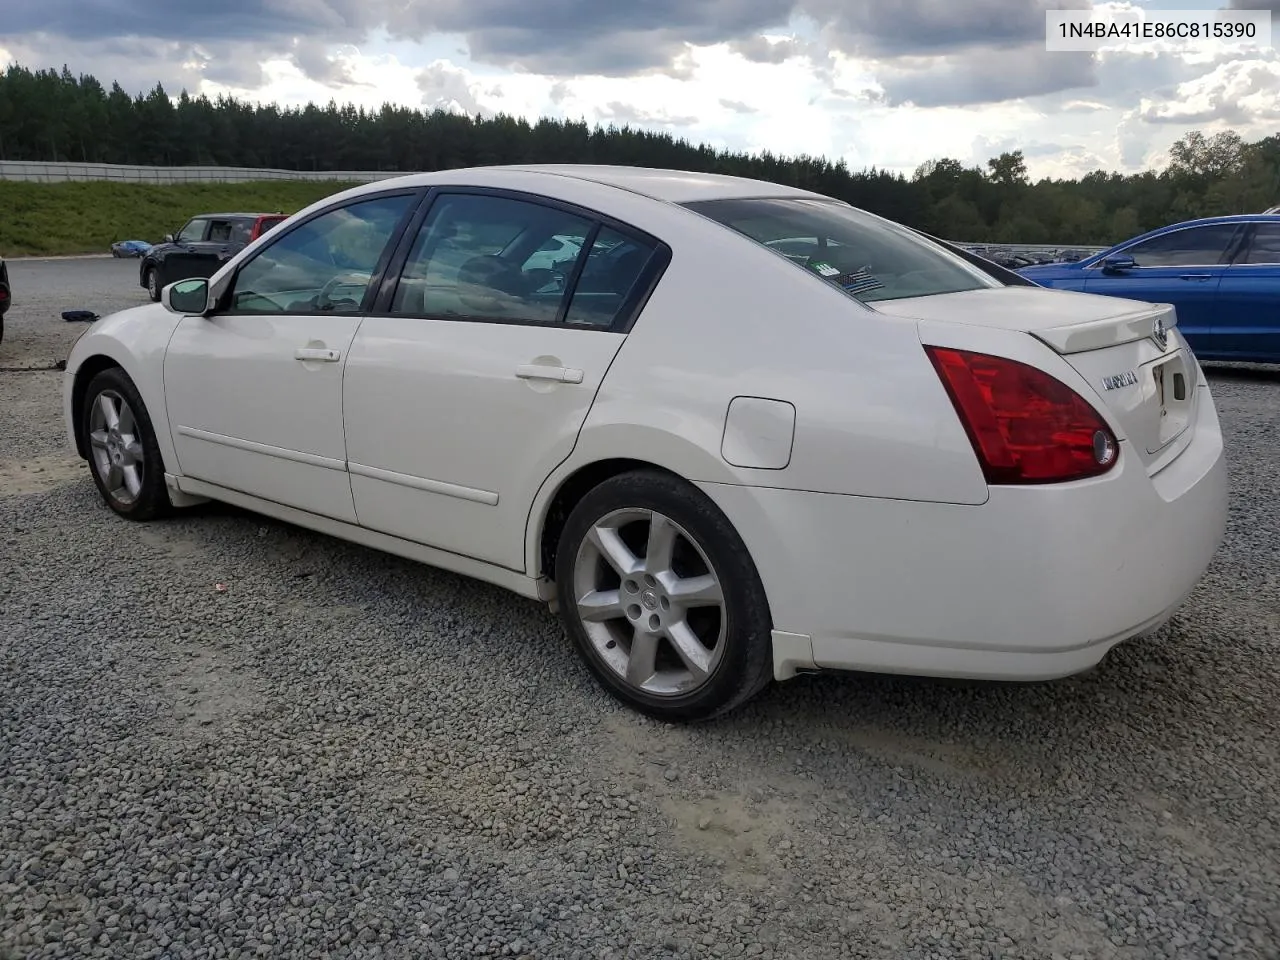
(118, 456)
(650, 602)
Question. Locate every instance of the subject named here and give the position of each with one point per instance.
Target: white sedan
(752, 431)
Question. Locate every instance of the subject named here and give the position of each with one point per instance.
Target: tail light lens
(1025, 426)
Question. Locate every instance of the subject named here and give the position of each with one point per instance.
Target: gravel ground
(342, 754)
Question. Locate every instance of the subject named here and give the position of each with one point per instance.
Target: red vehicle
(203, 245)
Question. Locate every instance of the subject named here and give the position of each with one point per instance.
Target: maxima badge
(1126, 379)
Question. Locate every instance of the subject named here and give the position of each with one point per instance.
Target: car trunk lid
(1129, 352)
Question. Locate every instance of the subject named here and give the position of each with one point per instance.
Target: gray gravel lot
(343, 754)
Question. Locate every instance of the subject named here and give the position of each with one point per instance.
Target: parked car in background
(555, 252)
(714, 453)
(203, 245)
(1222, 274)
(6, 294)
(129, 248)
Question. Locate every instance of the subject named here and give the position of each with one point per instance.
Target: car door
(254, 389)
(1247, 321)
(1183, 267)
(471, 381)
(205, 257)
(180, 256)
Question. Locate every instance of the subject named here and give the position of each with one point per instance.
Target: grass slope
(66, 218)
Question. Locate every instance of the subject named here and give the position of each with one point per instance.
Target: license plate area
(1174, 392)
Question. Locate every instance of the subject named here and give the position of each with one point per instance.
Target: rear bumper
(1037, 583)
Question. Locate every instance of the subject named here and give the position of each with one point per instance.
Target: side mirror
(187, 297)
(168, 238)
(1118, 264)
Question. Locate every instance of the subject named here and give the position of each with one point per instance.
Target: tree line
(56, 115)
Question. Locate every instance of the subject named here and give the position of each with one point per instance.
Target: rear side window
(608, 279)
(481, 257)
(869, 258)
(1265, 246)
(220, 231)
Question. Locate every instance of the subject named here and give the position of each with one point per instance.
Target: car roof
(674, 186)
(1228, 218)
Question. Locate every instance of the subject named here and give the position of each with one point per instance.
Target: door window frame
(394, 239)
(632, 306)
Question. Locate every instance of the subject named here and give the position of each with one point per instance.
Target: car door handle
(536, 371)
(322, 354)
(1196, 276)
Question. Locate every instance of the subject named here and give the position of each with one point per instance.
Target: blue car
(129, 248)
(1222, 274)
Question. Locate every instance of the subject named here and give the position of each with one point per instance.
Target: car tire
(124, 457)
(680, 633)
(153, 284)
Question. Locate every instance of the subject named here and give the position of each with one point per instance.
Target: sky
(880, 83)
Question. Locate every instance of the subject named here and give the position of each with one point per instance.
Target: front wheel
(153, 284)
(123, 454)
(662, 599)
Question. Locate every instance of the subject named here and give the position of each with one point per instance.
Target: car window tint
(1192, 247)
(241, 231)
(491, 258)
(193, 232)
(613, 267)
(220, 231)
(1265, 246)
(325, 265)
(268, 223)
(868, 258)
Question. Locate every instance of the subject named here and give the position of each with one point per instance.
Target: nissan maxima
(739, 432)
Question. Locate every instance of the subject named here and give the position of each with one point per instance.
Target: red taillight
(1026, 426)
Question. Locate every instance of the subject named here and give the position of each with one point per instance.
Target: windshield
(867, 257)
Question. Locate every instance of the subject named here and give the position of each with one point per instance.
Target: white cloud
(1242, 93)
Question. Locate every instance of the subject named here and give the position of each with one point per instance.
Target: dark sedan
(201, 247)
(6, 294)
(1222, 274)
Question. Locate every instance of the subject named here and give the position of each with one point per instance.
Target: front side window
(869, 258)
(1192, 247)
(324, 265)
(493, 258)
(193, 232)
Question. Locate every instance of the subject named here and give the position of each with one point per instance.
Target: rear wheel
(123, 454)
(662, 600)
(153, 283)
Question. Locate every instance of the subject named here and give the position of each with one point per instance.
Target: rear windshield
(867, 257)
